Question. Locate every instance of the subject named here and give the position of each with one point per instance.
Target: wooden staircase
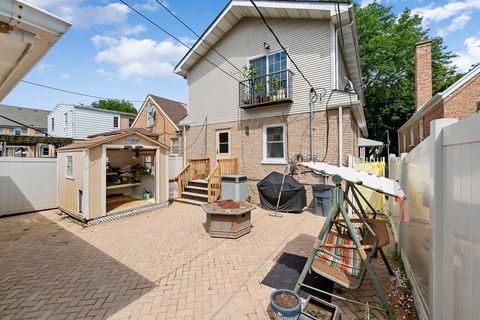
(198, 184)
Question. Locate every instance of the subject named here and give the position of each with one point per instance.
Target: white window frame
(412, 137)
(420, 130)
(264, 143)
(68, 176)
(151, 117)
(178, 147)
(65, 116)
(53, 124)
(266, 55)
(117, 120)
(45, 148)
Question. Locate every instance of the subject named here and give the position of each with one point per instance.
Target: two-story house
(79, 122)
(20, 121)
(163, 116)
(250, 103)
(459, 101)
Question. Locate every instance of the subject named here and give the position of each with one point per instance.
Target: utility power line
(195, 33)
(175, 38)
(73, 92)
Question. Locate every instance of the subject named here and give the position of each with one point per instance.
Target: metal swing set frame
(357, 236)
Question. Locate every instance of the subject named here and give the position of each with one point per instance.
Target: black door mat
(286, 271)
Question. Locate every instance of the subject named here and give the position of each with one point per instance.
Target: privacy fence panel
(440, 240)
(27, 184)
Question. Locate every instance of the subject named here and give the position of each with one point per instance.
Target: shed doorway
(130, 178)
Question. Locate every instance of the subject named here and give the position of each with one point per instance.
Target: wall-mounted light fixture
(266, 46)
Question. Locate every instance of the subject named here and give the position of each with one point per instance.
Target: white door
(223, 144)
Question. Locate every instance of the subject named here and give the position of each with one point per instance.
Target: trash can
(322, 199)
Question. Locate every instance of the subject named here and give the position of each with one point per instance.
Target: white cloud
(106, 74)
(65, 76)
(435, 14)
(457, 24)
(365, 3)
(42, 67)
(151, 5)
(139, 57)
(471, 55)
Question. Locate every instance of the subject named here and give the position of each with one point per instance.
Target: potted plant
(319, 310)
(250, 73)
(275, 85)
(285, 304)
(146, 194)
(260, 92)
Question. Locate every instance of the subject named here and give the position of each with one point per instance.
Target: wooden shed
(113, 173)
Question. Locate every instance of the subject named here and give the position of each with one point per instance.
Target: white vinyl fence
(27, 184)
(440, 240)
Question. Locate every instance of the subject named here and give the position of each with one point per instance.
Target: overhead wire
(199, 36)
(176, 38)
(24, 125)
(74, 92)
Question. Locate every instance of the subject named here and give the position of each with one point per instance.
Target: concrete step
(190, 201)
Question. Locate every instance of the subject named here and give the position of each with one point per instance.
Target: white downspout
(184, 151)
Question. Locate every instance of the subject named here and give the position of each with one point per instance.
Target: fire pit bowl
(228, 218)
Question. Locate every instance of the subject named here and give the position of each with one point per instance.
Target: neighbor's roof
(175, 110)
(142, 131)
(364, 142)
(442, 95)
(26, 35)
(35, 118)
(110, 136)
(96, 110)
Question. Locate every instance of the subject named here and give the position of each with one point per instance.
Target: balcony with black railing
(273, 88)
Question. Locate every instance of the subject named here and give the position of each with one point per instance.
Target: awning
(26, 34)
(364, 142)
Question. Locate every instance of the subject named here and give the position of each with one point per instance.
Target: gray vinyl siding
(60, 130)
(81, 122)
(214, 95)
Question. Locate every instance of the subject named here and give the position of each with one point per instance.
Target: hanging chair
(340, 250)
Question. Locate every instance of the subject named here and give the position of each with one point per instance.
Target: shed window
(115, 122)
(69, 166)
(45, 152)
(148, 162)
(175, 146)
(274, 144)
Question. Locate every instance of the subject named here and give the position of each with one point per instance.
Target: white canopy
(364, 142)
(380, 184)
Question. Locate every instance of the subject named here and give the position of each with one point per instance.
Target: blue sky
(112, 52)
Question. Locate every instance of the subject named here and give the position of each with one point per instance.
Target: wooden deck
(121, 202)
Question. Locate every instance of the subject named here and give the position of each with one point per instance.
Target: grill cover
(293, 198)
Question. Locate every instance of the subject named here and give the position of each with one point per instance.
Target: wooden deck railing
(228, 166)
(182, 179)
(214, 180)
(199, 168)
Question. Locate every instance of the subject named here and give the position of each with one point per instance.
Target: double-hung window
(274, 144)
(115, 122)
(272, 74)
(175, 147)
(69, 166)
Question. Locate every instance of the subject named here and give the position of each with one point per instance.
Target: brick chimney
(423, 73)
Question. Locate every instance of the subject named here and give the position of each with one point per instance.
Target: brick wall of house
(463, 102)
(249, 148)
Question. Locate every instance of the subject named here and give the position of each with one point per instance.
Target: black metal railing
(269, 89)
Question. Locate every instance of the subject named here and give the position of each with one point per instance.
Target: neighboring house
(461, 100)
(111, 174)
(26, 35)
(24, 122)
(78, 122)
(265, 122)
(163, 116)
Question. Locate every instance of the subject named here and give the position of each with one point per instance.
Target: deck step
(195, 196)
(190, 201)
(194, 189)
(198, 183)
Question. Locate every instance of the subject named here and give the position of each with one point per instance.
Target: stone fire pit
(228, 218)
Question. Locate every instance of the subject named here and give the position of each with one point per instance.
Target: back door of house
(223, 144)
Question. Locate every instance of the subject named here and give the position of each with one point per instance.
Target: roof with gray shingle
(35, 118)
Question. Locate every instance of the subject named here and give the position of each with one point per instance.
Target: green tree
(387, 44)
(115, 105)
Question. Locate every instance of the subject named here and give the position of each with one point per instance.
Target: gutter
(427, 106)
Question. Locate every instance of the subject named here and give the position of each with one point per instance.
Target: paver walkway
(160, 265)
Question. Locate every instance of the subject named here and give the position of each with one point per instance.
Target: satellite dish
(349, 85)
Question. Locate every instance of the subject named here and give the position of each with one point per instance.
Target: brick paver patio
(160, 265)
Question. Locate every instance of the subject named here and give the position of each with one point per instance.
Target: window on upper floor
(150, 116)
(175, 146)
(65, 115)
(115, 122)
(130, 122)
(18, 131)
(53, 124)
